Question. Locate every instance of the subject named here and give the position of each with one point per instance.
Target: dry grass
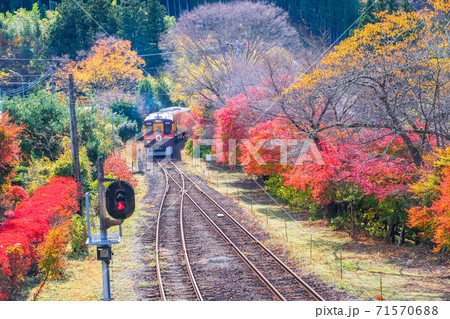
(405, 273)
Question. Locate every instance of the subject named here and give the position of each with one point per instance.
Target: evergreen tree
(387, 5)
(78, 23)
(367, 14)
(406, 6)
(142, 23)
(371, 7)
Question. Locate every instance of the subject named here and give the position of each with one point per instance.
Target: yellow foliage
(110, 65)
(441, 5)
(402, 46)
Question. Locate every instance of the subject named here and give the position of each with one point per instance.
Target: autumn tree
(391, 76)
(232, 124)
(9, 157)
(109, 65)
(223, 48)
(432, 216)
(9, 147)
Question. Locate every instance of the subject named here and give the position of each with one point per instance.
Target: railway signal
(120, 202)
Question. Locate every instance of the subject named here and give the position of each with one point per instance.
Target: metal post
(88, 213)
(101, 198)
(310, 247)
(341, 264)
(103, 231)
(88, 216)
(106, 281)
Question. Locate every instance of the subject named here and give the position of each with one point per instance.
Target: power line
(23, 59)
(38, 59)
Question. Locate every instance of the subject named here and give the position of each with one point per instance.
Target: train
(162, 129)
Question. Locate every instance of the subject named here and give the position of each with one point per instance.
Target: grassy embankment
(405, 273)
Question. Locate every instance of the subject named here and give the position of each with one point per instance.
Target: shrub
(64, 165)
(77, 236)
(51, 252)
(127, 130)
(18, 194)
(297, 199)
(51, 206)
(192, 149)
(39, 173)
(17, 181)
(21, 169)
(14, 265)
(118, 167)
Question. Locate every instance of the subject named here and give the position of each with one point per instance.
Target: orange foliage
(433, 215)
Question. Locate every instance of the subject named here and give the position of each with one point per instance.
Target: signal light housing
(120, 202)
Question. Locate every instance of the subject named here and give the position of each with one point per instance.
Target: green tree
(371, 7)
(367, 14)
(46, 122)
(128, 110)
(128, 119)
(23, 35)
(78, 22)
(142, 23)
(156, 92)
(94, 132)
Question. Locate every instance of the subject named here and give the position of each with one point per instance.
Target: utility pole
(74, 135)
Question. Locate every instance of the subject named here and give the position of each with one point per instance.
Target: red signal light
(120, 206)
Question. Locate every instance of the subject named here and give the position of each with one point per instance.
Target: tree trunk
(390, 231)
(401, 238)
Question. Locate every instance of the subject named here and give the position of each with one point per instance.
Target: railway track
(177, 282)
(275, 281)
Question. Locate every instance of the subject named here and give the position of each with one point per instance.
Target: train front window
(148, 129)
(167, 128)
(158, 129)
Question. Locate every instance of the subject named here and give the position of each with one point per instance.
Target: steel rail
(311, 291)
(228, 240)
(158, 266)
(186, 257)
(183, 241)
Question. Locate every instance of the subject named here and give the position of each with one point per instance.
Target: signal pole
(74, 134)
(103, 251)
